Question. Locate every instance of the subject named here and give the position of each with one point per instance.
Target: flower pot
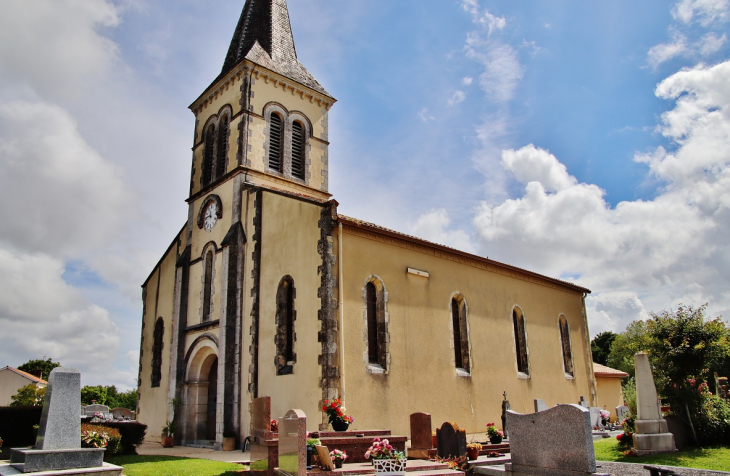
(472, 453)
(229, 443)
(390, 467)
(338, 463)
(339, 425)
(167, 442)
(495, 440)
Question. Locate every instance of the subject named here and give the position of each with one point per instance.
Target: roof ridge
(25, 374)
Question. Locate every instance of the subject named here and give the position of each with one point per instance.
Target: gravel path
(637, 469)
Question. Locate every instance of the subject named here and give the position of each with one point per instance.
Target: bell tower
(264, 115)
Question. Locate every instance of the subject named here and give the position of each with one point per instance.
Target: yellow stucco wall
(422, 374)
(159, 291)
(10, 383)
(289, 247)
(610, 394)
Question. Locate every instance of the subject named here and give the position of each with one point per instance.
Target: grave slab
(293, 443)
(421, 431)
(451, 440)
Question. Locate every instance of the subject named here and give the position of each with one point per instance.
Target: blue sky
(584, 140)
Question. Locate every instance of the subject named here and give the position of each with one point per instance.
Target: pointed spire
(263, 35)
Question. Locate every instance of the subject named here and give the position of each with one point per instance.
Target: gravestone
(125, 413)
(540, 405)
(505, 407)
(596, 420)
(622, 411)
(652, 433)
(91, 409)
(260, 425)
(58, 445)
(421, 440)
(451, 440)
(583, 402)
(557, 441)
(293, 443)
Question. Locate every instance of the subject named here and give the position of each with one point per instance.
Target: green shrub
(629, 391)
(16, 425)
(712, 421)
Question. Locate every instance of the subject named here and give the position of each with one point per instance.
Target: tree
(30, 395)
(627, 344)
(601, 347)
(44, 366)
(90, 394)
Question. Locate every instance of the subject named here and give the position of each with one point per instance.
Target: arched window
(207, 285)
(376, 325)
(208, 155)
(518, 320)
(222, 150)
(158, 335)
(297, 150)
(565, 345)
(460, 333)
(276, 135)
(285, 336)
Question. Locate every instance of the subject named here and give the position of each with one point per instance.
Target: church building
(268, 291)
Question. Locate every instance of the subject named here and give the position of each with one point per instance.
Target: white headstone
(652, 434)
(540, 406)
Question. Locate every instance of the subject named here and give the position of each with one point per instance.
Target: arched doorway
(201, 393)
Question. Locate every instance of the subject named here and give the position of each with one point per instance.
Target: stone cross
(505, 407)
(293, 443)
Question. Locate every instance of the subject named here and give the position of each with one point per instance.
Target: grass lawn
(717, 459)
(174, 466)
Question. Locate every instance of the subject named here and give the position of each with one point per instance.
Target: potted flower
(495, 435)
(338, 457)
(274, 426)
(311, 443)
(472, 450)
(605, 417)
(386, 459)
(167, 431)
(336, 413)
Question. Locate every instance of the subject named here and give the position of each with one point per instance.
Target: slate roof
(30, 377)
(603, 371)
(414, 239)
(263, 35)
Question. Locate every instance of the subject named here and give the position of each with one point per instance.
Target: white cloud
(53, 46)
(502, 69)
(434, 226)
(456, 98)
(711, 43)
(424, 116)
(611, 311)
(705, 12)
(489, 21)
(467, 81)
(65, 197)
(662, 52)
(663, 251)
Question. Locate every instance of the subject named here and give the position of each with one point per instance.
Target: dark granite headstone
(451, 440)
(421, 431)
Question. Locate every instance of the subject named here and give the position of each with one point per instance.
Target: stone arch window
(276, 142)
(518, 322)
(208, 155)
(375, 316)
(208, 283)
(157, 344)
(565, 345)
(460, 334)
(215, 146)
(287, 142)
(221, 161)
(285, 337)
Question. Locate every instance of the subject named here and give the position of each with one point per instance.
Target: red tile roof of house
(603, 371)
(25, 374)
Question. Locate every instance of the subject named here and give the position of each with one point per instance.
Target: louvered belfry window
(220, 164)
(276, 133)
(208, 155)
(157, 352)
(207, 284)
(372, 318)
(297, 150)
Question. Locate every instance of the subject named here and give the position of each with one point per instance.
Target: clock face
(210, 217)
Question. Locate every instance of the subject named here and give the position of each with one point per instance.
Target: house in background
(12, 379)
(608, 387)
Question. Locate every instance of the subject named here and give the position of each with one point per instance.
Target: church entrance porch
(200, 420)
